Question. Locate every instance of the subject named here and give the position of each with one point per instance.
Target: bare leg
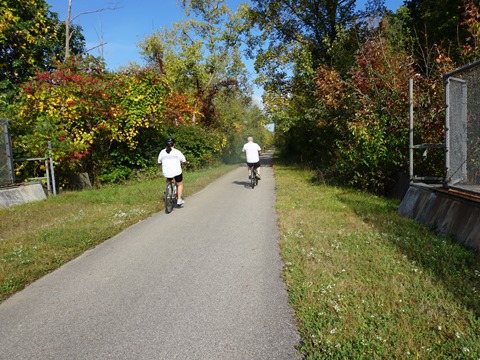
(180, 189)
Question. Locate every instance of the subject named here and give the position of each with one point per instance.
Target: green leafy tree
(235, 117)
(311, 24)
(200, 57)
(290, 32)
(31, 40)
(293, 39)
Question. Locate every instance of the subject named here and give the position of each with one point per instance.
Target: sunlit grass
(366, 283)
(38, 237)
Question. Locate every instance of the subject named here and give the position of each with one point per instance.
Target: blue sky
(124, 27)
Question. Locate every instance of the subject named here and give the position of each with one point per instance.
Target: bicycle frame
(170, 195)
(253, 177)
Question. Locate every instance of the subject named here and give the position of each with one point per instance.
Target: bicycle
(171, 196)
(253, 177)
(171, 193)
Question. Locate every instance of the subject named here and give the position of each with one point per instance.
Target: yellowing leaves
(70, 102)
(329, 86)
(85, 113)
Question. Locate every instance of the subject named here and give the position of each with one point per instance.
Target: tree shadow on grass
(451, 264)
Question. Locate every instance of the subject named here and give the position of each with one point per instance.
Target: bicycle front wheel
(169, 198)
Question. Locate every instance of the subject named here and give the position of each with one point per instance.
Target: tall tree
(309, 24)
(27, 29)
(200, 56)
(437, 24)
(293, 38)
(31, 39)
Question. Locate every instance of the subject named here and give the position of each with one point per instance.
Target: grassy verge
(38, 237)
(366, 283)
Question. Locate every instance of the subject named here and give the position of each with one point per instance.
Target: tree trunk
(67, 30)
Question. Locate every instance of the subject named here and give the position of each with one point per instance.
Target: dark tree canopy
(314, 23)
(438, 23)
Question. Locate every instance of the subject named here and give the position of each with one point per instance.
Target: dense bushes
(88, 115)
(358, 129)
(109, 125)
(202, 147)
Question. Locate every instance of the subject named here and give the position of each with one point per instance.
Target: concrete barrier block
(448, 214)
(21, 194)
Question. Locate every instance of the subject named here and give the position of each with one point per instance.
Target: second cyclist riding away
(252, 152)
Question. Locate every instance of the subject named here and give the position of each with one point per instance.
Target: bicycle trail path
(203, 282)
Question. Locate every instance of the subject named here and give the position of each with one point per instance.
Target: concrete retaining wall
(449, 215)
(21, 194)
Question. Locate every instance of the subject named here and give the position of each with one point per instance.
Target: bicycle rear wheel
(253, 178)
(170, 200)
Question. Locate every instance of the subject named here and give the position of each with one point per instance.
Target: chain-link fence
(462, 140)
(7, 174)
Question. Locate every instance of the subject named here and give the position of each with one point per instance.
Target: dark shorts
(178, 178)
(255, 165)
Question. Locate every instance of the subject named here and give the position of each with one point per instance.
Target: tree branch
(93, 11)
(96, 46)
(68, 21)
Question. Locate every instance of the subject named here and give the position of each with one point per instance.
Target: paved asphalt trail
(203, 282)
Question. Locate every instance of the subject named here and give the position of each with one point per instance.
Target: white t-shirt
(251, 150)
(171, 162)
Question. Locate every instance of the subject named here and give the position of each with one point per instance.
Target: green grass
(38, 237)
(366, 283)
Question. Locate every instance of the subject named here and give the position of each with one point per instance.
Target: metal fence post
(410, 90)
(52, 171)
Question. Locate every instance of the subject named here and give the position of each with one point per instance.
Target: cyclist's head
(170, 142)
(250, 139)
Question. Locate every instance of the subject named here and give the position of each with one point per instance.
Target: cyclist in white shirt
(252, 151)
(171, 160)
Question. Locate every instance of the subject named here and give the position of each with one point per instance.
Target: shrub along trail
(203, 282)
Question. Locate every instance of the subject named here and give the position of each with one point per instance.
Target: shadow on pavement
(243, 183)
